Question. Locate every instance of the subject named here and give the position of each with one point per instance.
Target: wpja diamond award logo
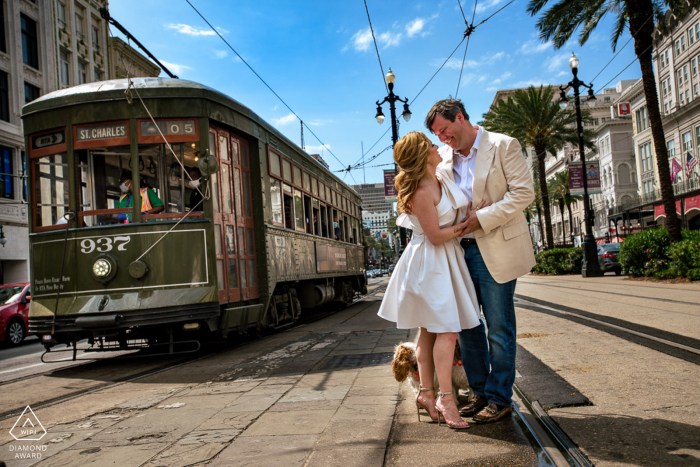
(27, 428)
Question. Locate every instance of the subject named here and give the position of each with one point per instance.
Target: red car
(14, 312)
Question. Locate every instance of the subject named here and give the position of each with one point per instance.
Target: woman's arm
(423, 205)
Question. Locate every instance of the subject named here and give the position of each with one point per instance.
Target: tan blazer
(502, 178)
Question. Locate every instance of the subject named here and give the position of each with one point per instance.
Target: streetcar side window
(100, 172)
(288, 206)
(276, 202)
(316, 217)
(299, 210)
(50, 189)
(308, 220)
(324, 221)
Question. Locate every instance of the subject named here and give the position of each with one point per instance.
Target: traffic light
(607, 237)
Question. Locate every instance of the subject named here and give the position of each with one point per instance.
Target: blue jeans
(490, 363)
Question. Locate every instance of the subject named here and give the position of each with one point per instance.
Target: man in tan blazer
(491, 170)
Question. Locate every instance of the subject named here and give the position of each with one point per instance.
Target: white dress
(431, 286)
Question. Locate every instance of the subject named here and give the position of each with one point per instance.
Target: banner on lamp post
(576, 177)
(389, 189)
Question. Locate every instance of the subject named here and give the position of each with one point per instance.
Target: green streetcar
(266, 232)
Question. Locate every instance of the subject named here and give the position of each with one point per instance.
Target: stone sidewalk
(321, 394)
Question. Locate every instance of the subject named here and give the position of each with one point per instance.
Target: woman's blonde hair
(411, 154)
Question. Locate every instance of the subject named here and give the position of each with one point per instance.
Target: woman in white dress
(431, 287)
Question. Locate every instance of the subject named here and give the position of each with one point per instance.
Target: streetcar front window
(104, 173)
(50, 189)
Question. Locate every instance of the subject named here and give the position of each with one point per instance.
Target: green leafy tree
(642, 18)
(534, 118)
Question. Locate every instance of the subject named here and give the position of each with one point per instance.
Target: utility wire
(375, 47)
(623, 70)
(459, 2)
(467, 33)
(261, 79)
(367, 152)
(467, 46)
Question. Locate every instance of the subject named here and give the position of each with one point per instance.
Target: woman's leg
(426, 370)
(443, 354)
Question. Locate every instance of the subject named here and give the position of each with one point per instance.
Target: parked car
(609, 257)
(14, 313)
(385, 271)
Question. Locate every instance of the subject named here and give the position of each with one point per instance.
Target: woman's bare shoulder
(426, 194)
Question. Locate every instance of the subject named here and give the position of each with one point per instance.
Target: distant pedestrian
(430, 288)
(488, 167)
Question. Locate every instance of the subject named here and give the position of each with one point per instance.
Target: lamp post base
(591, 267)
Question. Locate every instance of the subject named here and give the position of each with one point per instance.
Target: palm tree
(558, 24)
(534, 118)
(559, 185)
(537, 203)
(556, 196)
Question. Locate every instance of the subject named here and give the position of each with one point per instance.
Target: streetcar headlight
(104, 268)
(101, 268)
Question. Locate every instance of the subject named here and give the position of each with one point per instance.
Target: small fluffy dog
(405, 366)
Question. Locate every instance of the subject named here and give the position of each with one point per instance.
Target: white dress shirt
(463, 167)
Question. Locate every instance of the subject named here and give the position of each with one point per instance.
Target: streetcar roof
(114, 89)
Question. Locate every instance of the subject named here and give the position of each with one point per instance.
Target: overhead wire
(375, 46)
(467, 46)
(467, 33)
(261, 79)
(623, 70)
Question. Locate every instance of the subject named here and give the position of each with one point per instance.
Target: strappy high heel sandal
(460, 425)
(419, 405)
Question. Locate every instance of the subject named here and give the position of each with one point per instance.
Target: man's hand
(470, 221)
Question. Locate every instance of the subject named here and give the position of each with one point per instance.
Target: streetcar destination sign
(110, 130)
(49, 139)
(169, 127)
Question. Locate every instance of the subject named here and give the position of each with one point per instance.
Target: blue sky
(320, 58)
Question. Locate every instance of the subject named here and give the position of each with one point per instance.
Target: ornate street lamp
(590, 268)
(392, 99)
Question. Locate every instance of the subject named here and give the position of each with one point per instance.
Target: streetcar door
(245, 226)
(224, 220)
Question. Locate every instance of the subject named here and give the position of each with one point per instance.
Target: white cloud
(530, 82)
(191, 31)
(415, 26)
(389, 39)
(506, 75)
(286, 120)
(556, 62)
(175, 67)
(481, 79)
(487, 5)
(220, 53)
(316, 149)
(492, 88)
(562, 73)
(362, 40)
(319, 123)
(535, 46)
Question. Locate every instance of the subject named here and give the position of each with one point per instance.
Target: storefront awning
(692, 203)
(659, 210)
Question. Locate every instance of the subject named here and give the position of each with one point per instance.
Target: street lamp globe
(406, 113)
(390, 77)
(563, 101)
(591, 98)
(380, 115)
(573, 61)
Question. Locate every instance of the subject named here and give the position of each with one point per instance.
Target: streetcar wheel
(14, 334)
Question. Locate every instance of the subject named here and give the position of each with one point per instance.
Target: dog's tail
(401, 365)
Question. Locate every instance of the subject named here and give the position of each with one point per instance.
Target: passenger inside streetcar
(194, 183)
(150, 203)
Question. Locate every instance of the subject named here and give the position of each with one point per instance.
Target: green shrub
(558, 261)
(694, 274)
(684, 256)
(639, 249)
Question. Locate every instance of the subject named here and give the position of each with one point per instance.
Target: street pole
(590, 268)
(391, 99)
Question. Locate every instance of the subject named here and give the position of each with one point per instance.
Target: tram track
(673, 344)
(226, 347)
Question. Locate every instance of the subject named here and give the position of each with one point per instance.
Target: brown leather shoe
(491, 413)
(473, 407)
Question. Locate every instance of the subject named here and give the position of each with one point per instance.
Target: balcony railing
(679, 189)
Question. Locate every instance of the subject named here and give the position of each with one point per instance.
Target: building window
(6, 186)
(671, 147)
(95, 37)
(3, 46)
(687, 95)
(695, 66)
(30, 48)
(82, 72)
(687, 142)
(665, 89)
(662, 60)
(641, 115)
(79, 26)
(64, 68)
(678, 48)
(606, 99)
(691, 36)
(31, 92)
(98, 75)
(4, 97)
(680, 77)
(682, 43)
(61, 15)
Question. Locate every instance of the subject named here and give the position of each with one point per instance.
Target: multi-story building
(372, 195)
(124, 63)
(378, 224)
(45, 45)
(676, 61)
